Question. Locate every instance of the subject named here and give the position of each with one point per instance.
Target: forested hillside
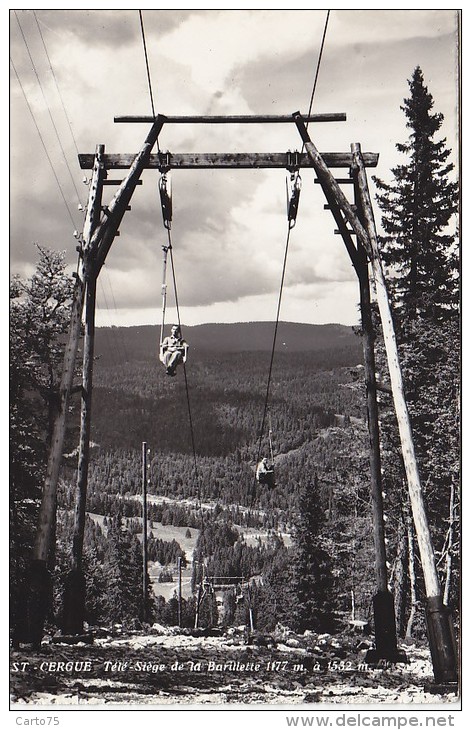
(204, 432)
(138, 343)
(310, 391)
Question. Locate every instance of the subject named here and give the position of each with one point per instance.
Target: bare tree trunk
(400, 591)
(412, 576)
(449, 547)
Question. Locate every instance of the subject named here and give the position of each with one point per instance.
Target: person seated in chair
(266, 473)
(173, 350)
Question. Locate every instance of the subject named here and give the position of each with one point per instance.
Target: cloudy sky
(73, 71)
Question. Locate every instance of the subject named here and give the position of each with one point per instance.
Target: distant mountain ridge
(238, 337)
(255, 336)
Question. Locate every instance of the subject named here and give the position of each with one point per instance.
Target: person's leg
(167, 358)
(175, 359)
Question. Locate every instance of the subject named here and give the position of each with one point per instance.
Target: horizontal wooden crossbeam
(329, 207)
(341, 181)
(118, 182)
(237, 119)
(225, 160)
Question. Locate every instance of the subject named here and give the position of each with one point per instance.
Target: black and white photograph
(235, 365)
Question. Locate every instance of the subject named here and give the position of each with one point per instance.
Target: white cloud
(229, 227)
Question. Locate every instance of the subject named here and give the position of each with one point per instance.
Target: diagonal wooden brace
(330, 186)
(106, 231)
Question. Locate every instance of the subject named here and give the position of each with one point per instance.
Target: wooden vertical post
(144, 532)
(74, 590)
(38, 597)
(383, 601)
(373, 428)
(199, 598)
(249, 598)
(42, 544)
(98, 238)
(85, 425)
(38, 589)
(441, 637)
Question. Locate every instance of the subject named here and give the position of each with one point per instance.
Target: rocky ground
(167, 666)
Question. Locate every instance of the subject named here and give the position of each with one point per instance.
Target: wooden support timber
(117, 182)
(373, 423)
(98, 238)
(339, 181)
(99, 242)
(234, 119)
(93, 217)
(107, 229)
(43, 537)
(432, 584)
(145, 582)
(73, 615)
(383, 602)
(440, 629)
(74, 589)
(179, 572)
(441, 636)
(99, 234)
(36, 599)
(226, 160)
(386, 648)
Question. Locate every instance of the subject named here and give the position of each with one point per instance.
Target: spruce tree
(312, 579)
(417, 208)
(39, 319)
(274, 600)
(124, 575)
(420, 250)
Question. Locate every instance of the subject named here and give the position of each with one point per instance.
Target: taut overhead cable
(290, 226)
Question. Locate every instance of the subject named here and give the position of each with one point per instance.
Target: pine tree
(312, 579)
